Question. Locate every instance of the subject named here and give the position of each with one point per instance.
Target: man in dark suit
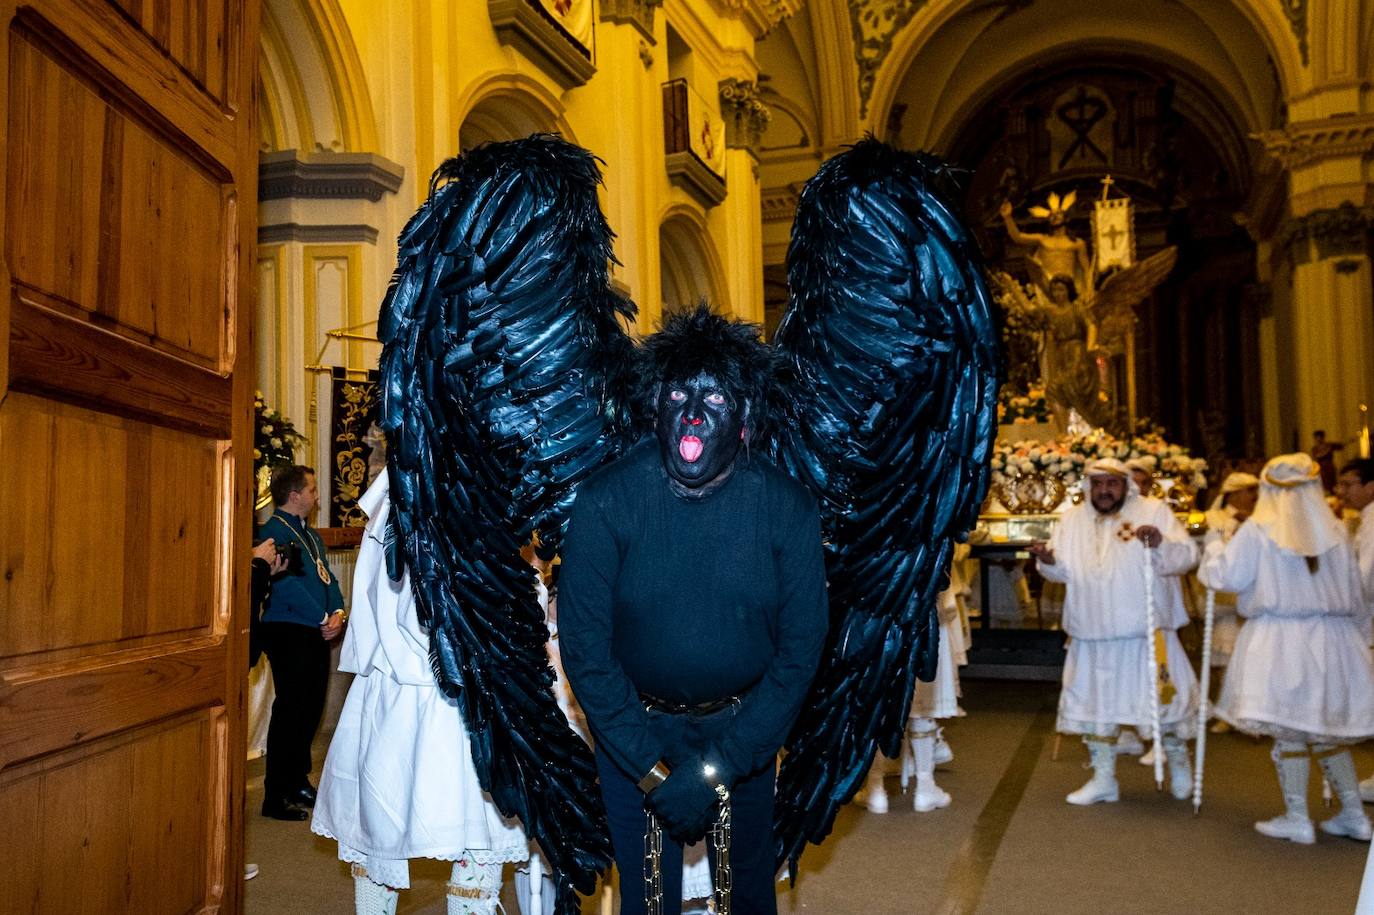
(302, 615)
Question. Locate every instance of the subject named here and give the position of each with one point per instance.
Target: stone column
(1323, 316)
(746, 118)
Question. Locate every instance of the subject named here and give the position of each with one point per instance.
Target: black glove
(685, 804)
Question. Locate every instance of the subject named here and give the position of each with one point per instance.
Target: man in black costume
(692, 609)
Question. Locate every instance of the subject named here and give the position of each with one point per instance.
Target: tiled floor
(1008, 843)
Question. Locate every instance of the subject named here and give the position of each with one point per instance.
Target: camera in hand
(291, 552)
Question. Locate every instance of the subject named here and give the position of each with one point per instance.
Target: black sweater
(689, 601)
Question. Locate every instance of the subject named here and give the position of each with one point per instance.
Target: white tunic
(1221, 524)
(399, 780)
(1301, 667)
(1102, 566)
(940, 697)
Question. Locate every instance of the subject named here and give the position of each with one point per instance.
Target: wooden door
(128, 201)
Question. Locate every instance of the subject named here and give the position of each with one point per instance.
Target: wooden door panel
(117, 823)
(145, 494)
(191, 32)
(57, 707)
(102, 226)
(129, 165)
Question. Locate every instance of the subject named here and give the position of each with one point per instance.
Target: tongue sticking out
(690, 448)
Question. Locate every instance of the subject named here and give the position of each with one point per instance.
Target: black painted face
(699, 425)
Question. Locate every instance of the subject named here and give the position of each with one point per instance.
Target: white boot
(372, 898)
(944, 753)
(1340, 772)
(928, 795)
(1149, 758)
(1128, 743)
(1180, 767)
(876, 792)
(473, 889)
(1102, 787)
(1292, 764)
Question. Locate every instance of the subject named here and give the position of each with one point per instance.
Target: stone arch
(689, 267)
(506, 106)
(314, 96)
(785, 112)
(1207, 104)
(945, 40)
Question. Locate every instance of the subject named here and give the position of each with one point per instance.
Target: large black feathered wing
(501, 354)
(893, 343)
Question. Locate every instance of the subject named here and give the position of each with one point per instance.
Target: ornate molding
(759, 15)
(638, 13)
(1306, 142)
(326, 175)
(689, 173)
(279, 233)
(1296, 11)
(779, 204)
(875, 23)
(1339, 232)
(745, 113)
(525, 25)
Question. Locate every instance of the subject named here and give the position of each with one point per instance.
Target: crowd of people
(1291, 585)
(1278, 557)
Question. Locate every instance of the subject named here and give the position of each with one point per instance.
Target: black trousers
(299, 656)
(751, 844)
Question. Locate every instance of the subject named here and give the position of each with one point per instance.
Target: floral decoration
(274, 438)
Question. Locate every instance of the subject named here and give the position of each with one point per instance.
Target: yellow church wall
(410, 81)
(407, 80)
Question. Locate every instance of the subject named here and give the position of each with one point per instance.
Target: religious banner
(574, 16)
(1113, 234)
(706, 133)
(357, 451)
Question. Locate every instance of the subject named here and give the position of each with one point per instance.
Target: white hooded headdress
(1234, 482)
(1292, 507)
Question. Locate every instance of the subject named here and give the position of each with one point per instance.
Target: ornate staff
(1150, 623)
(1209, 619)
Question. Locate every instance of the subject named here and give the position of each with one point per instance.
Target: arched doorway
(1173, 144)
(689, 269)
(508, 106)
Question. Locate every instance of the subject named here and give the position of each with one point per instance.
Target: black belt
(654, 704)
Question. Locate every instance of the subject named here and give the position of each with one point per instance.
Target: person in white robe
(930, 703)
(1143, 473)
(1301, 670)
(1235, 503)
(1104, 551)
(399, 780)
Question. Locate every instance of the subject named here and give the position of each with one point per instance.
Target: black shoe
(281, 808)
(305, 797)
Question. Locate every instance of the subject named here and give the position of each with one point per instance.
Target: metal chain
(719, 836)
(720, 842)
(653, 865)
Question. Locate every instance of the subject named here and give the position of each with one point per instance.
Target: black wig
(697, 340)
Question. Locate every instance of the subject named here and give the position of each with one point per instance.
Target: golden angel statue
(1085, 323)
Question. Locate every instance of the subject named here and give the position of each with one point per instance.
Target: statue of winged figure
(508, 381)
(1085, 319)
